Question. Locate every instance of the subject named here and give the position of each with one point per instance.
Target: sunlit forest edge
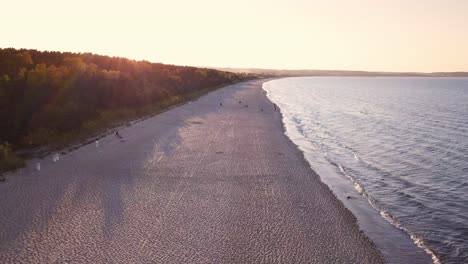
(51, 99)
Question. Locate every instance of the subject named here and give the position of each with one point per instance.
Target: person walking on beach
(220, 103)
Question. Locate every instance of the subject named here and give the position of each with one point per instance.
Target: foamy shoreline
(200, 183)
(396, 242)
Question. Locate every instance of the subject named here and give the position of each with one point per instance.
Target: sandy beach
(200, 183)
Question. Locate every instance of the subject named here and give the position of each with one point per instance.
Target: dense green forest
(48, 97)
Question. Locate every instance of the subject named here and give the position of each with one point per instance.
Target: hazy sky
(393, 35)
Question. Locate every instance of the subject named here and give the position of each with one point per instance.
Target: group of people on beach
(240, 102)
(117, 134)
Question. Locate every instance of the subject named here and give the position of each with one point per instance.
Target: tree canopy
(44, 94)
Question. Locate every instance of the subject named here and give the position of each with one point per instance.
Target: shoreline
(396, 243)
(202, 182)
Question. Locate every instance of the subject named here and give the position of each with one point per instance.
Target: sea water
(401, 142)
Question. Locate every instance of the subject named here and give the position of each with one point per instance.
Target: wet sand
(200, 183)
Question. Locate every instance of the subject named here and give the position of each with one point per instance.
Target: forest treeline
(51, 96)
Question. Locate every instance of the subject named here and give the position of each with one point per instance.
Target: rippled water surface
(403, 142)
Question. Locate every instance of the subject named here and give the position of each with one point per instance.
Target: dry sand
(200, 183)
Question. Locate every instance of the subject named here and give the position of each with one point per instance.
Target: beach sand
(200, 183)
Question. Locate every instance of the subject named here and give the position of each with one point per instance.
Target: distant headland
(284, 73)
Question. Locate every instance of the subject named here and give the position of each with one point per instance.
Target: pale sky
(392, 35)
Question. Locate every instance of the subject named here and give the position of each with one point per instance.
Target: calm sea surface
(402, 143)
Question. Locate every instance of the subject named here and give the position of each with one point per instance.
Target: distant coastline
(285, 73)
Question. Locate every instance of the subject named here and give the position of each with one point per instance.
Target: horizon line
(251, 67)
